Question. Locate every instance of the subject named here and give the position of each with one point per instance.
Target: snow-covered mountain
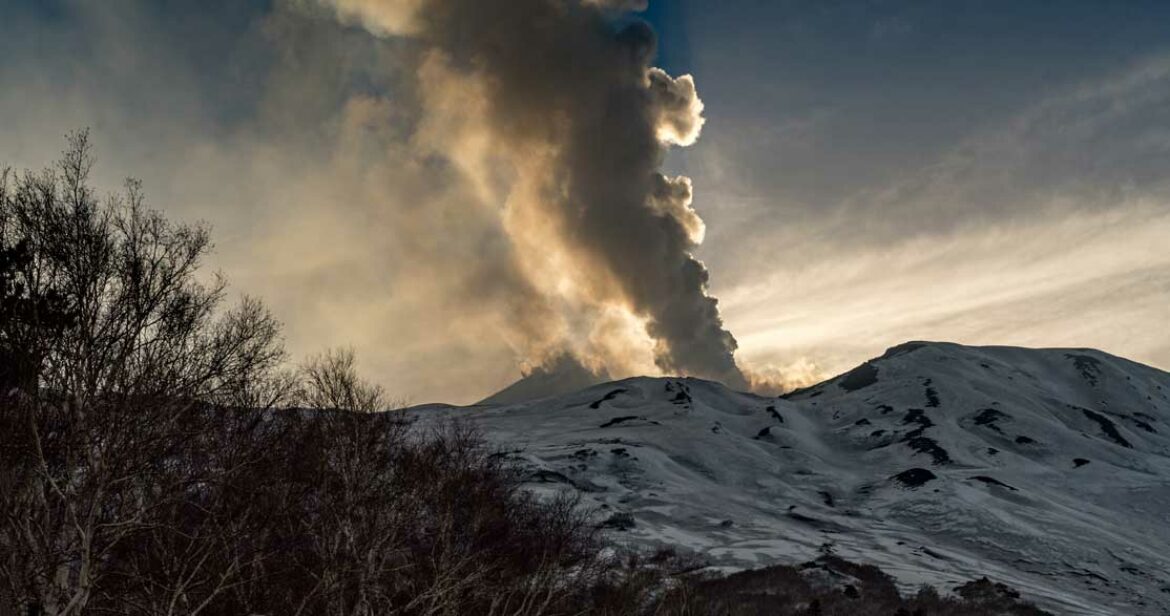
(1048, 470)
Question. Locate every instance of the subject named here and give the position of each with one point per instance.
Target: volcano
(1045, 469)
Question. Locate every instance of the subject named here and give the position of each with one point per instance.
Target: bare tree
(120, 347)
(330, 381)
(147, 465)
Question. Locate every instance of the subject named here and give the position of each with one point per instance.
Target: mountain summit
(562, 375)
(1045, 469)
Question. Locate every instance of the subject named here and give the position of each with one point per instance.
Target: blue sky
(902, 80)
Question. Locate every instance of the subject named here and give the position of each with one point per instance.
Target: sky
(867, 173)
(982, 172)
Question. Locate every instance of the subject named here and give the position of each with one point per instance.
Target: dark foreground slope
(1048, 470)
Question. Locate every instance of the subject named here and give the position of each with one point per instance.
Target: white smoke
(552, 109)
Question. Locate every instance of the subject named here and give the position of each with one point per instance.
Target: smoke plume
(551, 109)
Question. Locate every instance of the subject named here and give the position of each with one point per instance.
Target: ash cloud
(465, 192)
(552, 108)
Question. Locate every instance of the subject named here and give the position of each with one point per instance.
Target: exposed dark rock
(902, 349)
(1079, 462)
(1143, 425)
(994, 482)
(989, 417)
(917, 416)
(547, 476)
(683, 395)
(1107, 427)
(1089, 367)
(931, 553)
(915, 477)
(862, 376)
(922, 444)
(800, 517)
(1025, 440)
(617, 420)
(932, 400)
(984, 590)
(596, 404)
(775, 414)
(619, 521)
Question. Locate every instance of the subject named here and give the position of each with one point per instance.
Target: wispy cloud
(1046, 230)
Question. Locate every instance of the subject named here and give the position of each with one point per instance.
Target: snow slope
(1048, 470)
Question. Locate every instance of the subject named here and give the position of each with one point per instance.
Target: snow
(750, 481)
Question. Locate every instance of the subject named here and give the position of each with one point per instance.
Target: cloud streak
(1043, 229)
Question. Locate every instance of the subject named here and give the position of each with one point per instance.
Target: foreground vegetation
(160, 455)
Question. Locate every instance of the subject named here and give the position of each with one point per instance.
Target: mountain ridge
(1046, 469)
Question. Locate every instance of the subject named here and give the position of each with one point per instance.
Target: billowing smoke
(551, 109)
